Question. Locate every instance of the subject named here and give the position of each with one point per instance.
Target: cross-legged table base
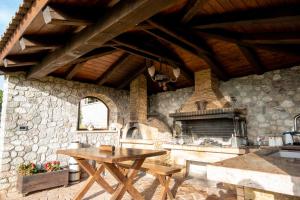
(125, 179)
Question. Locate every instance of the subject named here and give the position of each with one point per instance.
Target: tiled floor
(187, 189)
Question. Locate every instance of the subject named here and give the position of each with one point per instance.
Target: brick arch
(112, 107)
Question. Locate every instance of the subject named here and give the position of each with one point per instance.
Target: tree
(1, 95)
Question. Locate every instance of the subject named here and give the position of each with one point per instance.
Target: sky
(7, 10)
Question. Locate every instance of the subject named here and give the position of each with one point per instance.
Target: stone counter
(259, 170)
(228, 150)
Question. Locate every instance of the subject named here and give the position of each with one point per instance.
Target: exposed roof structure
(106, 41)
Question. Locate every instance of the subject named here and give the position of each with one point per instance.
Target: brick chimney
(206, 89)
(138, 100)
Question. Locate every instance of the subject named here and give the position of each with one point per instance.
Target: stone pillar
(138, 100)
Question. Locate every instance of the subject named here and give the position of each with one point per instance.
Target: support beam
(56, 17)
(192, 8)
(238, 39)
(253, 59)
(202, 51)
(153, 55)
(74, 70)
(254, 16)
(128, 80)
(17, 63)
(29, 44)
(36, 8)
(117, 20)
(113, 68)
(91, 55)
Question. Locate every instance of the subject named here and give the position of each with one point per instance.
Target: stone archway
(113, 109)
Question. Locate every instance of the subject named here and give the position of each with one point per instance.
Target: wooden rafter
(113, 68)
(192, 7)
(9, 62)
(238, 39)
(54, 16)
(24, 24)
(263, 16)
(27, 43)
(74, 70)
(253, 59)
(133, 12)
(141, 69)
(200, 50)
(155, 56)
(77, 66)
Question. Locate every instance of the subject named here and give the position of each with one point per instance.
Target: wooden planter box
(41, 181)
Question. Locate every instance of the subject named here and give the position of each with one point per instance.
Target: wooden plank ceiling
(107, 42)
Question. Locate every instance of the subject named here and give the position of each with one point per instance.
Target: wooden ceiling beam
(127, 81)
(113, 68)
(271, 38)
(263, 16)
(122, 17)
(17, 63)
(253, 59)
(191, 9)
(36, 8)
(27, 43)
(202, 52)
(179, 36)
(58, 17)
(74, 70)
(153, 55)
(77, 66)
(233, 37)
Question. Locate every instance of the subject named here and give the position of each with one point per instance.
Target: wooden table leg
(165, 181)
(125, 180)
(95, 175)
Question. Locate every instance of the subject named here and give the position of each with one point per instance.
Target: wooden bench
(163, 172)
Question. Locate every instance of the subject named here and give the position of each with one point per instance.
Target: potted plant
(32, 177)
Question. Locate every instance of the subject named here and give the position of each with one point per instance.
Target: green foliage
(1, 95)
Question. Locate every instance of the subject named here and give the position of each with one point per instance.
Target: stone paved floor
(187, 189)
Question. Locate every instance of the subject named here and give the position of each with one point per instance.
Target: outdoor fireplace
(141, 126)
(208, 118)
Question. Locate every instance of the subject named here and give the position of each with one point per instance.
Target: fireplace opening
(134, 133)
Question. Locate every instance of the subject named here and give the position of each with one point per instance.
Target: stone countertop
(228, 150)
(260, 170)
(261, 161)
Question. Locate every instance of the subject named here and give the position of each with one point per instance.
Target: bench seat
(162, 171)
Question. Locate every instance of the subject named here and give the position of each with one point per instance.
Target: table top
(119, 155)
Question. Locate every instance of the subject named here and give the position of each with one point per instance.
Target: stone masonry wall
(272, 100)
(49, 107)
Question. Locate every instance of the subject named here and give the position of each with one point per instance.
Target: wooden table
(109, 160)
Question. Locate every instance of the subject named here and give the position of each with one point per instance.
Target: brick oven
(208, 118)
(141, 127)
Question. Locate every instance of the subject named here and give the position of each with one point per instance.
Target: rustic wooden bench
(163, 172)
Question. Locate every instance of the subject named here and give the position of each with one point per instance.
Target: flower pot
(41, 181)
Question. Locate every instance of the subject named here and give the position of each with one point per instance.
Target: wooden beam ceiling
(77, 66)
(191, 9)
(36, 8)
(253, 59)
(119, 19)
(58, 17)
(254, 16)
(193, 46)
(156, 55)
(127, 81)
(10, 62)
(113, 68)
(237, 38)
(29, 43)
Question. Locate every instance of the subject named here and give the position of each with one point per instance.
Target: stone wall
(49, 107)
(272, 100)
